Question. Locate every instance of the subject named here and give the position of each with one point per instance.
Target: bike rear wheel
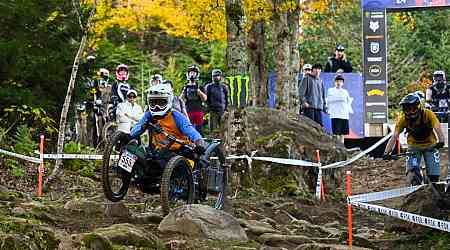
(115, 180)
(214, 191)
(177, 185)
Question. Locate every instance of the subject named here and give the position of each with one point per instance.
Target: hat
(340, 47)
(339, 77)
(131, 91)
(307, 66)
(317, 66)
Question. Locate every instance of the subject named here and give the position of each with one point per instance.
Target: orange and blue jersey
(174, 123)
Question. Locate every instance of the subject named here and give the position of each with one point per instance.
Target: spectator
(128, 112)
(193, 95)
(339, 107)
(217, 100)
(307, 69)
(312, 95)
(339, 61)
(177, 103)
(156, 79)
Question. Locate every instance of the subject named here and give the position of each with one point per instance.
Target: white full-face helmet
(159, 99)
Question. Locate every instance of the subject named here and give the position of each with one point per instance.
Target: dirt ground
(368, 175)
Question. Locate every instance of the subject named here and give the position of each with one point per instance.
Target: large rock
(275, 133)
(320, 246)
(121, 234)
(84, 206)
(199, 221)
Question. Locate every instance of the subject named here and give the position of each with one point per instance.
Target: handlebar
(172, 138)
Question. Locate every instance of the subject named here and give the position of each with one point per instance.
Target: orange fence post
(349, 207)
(41, 166)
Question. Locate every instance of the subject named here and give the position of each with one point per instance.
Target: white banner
(384, 195)
(414, 218)
(23, 157)
(78, 156)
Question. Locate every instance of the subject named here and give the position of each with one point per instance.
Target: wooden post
(349, 208)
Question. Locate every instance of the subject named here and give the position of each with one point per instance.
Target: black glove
(387, 157)
(200, 150)
(439, 145)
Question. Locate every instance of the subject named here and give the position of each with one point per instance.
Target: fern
(23, 142)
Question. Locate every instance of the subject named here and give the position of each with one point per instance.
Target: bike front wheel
(115, 180)
(177, 185)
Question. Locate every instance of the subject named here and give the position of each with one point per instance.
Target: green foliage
(24, 144)
(84, 168)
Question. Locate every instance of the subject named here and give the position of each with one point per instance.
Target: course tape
(287, 161)
(358, 156)
(383, 195)
(23, 157)
(414, 218)
(78, 156)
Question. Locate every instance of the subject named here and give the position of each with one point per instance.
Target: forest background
(38, 42)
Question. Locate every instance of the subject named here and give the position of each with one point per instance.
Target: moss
(261, 140)
(219, 244)
(43, 236)
(10, 196)
(96, 241)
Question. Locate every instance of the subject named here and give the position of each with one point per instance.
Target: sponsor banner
(239, 90)
(414, 218)
(375, 67)
(23, 157)
(402, 4)
(383, 195)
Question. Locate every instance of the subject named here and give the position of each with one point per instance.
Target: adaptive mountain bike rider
(119, 88)
(160, 99)
(420, 125)
(437, 95)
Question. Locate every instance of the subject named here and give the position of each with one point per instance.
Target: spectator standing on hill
(128, 113)
(177, 103)
(193, 95)
(338, 61)
(216, 99)
(339, 107)
(312, 95)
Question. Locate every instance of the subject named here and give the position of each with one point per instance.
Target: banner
(238, 87)
(402, 4)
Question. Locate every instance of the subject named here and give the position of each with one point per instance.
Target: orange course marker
(349, 208)
(41, 167)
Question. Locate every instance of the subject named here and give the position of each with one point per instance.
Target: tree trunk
(294, 65)
(285, 34)
(237, 63)
(257, 68)
(66, 106)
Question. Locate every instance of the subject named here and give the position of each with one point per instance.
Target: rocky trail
(75, 215)
(270, 206)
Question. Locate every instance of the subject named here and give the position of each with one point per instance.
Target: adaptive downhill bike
(181, 177)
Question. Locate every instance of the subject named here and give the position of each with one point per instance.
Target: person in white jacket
(128, 113)
(339, 108)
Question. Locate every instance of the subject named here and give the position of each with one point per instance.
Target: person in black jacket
(216, 99)
(339, 61)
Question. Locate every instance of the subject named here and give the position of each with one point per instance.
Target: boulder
(121, 234)
(275, 133)
(85, 206)
(200, 221)
(117, 209)
(257, 227)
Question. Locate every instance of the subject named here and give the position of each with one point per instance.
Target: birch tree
(65, 109)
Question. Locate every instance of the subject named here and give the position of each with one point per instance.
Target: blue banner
(353, 84)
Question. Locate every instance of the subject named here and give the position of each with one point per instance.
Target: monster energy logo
(238, 90)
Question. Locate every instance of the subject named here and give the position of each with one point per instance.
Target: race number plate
(443, 103)
(127, 161)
